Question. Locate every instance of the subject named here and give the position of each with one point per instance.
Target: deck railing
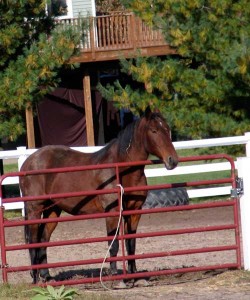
(114, 32)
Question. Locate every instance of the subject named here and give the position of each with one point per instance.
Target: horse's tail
(26, 227)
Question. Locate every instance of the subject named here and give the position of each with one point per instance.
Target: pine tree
(32, 51)
(204, 89)
(104, 6)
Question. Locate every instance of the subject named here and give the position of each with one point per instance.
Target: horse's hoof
(141, 283)
(48, 279)
(120, 285)
(113, 273)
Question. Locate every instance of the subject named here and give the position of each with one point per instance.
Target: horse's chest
(132, 178)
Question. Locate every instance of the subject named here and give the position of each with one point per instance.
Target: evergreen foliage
(32, 51)
(105, 6)
(204, 88)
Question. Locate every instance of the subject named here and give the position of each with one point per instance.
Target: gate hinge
(4, 266)
(239, 190)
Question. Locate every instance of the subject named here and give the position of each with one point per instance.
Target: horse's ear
(147, 112)
(141, 112)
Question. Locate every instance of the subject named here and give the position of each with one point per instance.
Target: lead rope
(116, 233)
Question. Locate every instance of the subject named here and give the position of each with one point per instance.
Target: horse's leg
(111, 224)
(45, 231)
(32, 236)
(130, 227)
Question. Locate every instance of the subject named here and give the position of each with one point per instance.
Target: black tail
(26, 227)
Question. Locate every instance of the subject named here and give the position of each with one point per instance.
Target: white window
(60, 8)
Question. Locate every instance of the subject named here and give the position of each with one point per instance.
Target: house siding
(83, 8)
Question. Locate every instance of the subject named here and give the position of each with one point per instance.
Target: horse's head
(157, 139)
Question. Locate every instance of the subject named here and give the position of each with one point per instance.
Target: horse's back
(46, 158)
(51, 157)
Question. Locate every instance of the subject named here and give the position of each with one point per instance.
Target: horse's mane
(122, 141)
(125, 137)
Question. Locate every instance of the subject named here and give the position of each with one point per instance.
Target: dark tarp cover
(61, 117)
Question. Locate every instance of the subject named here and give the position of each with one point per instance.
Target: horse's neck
(136, 150)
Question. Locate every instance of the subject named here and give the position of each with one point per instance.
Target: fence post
(243, 164)
(247, 134)
(22, 156)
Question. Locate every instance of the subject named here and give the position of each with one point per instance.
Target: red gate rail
(7, 268)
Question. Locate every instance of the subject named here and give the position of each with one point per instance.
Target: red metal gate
(7, 267)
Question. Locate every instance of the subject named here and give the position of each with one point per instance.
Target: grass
(12, 214)
(24, 292)
(10, 168)
(18, 291)
(234, 281)
(188, 177)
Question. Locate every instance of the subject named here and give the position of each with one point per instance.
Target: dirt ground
(214, 284)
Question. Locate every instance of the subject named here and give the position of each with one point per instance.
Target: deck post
(134, 38)
(88, 110)
(92, 37)
(30, 127)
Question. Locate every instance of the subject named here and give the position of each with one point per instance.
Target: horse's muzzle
(171, 162)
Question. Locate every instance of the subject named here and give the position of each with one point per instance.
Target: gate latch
(239, 190)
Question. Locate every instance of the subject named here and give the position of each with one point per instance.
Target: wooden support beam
(88, 110)
(30, 127)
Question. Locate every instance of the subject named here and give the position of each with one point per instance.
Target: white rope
(115, 236)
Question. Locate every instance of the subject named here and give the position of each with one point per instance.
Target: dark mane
(123, 141)
(125, 137)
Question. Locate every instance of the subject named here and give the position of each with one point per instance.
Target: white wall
(78, 8)
(83, 8)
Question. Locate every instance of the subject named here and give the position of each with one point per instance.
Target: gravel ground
(199, 285)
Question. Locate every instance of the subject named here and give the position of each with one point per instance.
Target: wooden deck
(120, 35)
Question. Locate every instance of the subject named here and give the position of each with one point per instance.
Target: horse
(149, 134)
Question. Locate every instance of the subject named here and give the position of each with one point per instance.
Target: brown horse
(148, 135)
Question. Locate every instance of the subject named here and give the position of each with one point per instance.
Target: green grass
(24, 292)
(18, 291)
(233, 151)
(12, 214)
(10, 168)
(188, 177)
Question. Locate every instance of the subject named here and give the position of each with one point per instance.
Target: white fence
(22, 153)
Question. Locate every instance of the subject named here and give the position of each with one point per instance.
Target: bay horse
(148, 135)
